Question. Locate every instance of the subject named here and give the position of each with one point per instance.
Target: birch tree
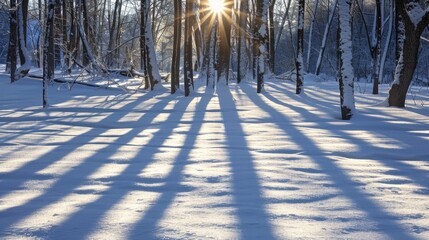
(261, 41)
(346, 77)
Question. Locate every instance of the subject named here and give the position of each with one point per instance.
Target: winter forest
(214, 119)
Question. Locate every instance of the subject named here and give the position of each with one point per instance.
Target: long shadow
(78, 176)
(385, 222)
(152, 217)
(418, 176)
(92, 213)
(254, 221)
(30, 170)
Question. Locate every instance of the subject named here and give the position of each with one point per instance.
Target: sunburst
(217, 6)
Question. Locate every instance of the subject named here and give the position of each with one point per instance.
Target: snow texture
(104, 164)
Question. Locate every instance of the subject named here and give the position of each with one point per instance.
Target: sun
(217, 6)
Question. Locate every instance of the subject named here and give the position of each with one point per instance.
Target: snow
(105, 164)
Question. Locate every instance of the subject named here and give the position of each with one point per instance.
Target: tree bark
(300, 48)
(346, 77)
(187, 63)
(11, 56)
(175, 65)
(409, 33)
(261, 33)
(48, 35)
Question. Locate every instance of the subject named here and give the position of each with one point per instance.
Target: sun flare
(217, 6)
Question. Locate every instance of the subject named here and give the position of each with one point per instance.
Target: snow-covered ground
(106, 164)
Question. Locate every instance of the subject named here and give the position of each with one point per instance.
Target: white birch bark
(346, 67)
(325, 37)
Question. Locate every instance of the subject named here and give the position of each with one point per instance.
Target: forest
(221, 41)
(214, 119)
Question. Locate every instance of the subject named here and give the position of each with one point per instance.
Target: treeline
(378, 40)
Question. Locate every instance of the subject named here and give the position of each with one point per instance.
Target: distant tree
(13, 37)
(224, 50)
(325, 37)
(413, 19)
(376, 47)
(310, 34)
(272, 35)
(299, 62)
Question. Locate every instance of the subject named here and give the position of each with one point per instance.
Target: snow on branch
(417, 14)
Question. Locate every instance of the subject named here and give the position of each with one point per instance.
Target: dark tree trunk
(143, 56)
(13, 38)
(242, 35)
(48, 35)
(376, 49)
(409, 33)
(65, 50)
(23, 4)
(300, 47)
(175, 65)
(187, 63)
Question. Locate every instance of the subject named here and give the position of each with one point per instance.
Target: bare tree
(47, 77)
(413, 19)
(261, 41)
(346, 75)
(299, 62)
(11, 56)
(187, 63)
(175, 65)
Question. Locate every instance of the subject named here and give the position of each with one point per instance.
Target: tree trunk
(300, 47)
(175, 65)
(261, 33)
(48, 35)
(310, 36)
(187, 63)
(272, 36)
(11, 56)
(376, 48)
(242, 35)
(409, 32)
(325, 37)
(346, 77)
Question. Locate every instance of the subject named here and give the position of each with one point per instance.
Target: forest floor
(230, 164)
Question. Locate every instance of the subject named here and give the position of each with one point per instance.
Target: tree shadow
(384, 221)
(154, 214)
(253, 219)
(79, 175)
